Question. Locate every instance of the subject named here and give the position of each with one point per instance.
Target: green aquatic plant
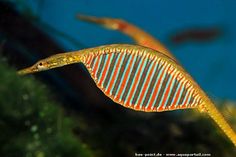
(31, 124)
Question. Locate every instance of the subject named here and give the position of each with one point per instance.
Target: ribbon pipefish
(139, 78)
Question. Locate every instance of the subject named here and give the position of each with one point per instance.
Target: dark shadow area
(83, 121)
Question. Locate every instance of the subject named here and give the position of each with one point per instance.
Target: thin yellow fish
(139, 78)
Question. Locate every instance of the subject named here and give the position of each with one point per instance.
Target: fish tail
(214, 113)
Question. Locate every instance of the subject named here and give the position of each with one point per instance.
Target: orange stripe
(104, 72)
(89, 59)
(96, 65)
(114, 74)
(177, 96)
(122, 86)
(195, 94)
(157, 87)
(171, 105)
(134, 84)
(184, 103)
(169, 66)
(167, 91)
(145, 87)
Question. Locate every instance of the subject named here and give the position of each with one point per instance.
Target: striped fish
(139, 78)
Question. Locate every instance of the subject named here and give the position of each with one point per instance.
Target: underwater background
(62, 113)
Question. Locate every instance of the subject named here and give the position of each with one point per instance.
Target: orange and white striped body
(141, 80)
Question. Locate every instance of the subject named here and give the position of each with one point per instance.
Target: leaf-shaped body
(141, 80)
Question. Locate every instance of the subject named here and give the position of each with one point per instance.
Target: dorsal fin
(142, 80)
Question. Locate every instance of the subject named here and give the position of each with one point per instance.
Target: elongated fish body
(139, 78)
(137, 34)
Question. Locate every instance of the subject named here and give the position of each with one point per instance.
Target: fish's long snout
(28, 70)
(91, 19)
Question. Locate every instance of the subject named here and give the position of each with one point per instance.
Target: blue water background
(212, 64)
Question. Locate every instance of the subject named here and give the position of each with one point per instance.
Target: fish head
(46, 64)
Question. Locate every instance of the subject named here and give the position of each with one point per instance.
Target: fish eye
(41, 66)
